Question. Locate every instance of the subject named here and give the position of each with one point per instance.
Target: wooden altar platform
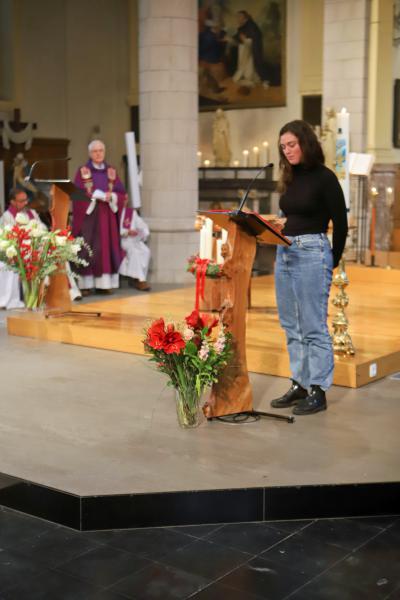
(374, 316)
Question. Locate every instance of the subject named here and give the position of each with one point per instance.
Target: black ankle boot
(292, 396)
(315, 401)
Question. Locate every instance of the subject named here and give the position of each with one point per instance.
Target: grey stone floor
(97, 422)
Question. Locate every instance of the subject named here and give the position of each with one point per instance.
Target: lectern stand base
(249, 416)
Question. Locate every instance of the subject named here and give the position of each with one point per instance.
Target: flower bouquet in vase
(33, 252)
(192, 354)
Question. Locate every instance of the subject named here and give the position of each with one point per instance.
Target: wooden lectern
(232, 394)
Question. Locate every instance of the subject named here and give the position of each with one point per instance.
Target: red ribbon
(201, 270)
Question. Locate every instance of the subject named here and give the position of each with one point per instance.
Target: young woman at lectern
(311, 197)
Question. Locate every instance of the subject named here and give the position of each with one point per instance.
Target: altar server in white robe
(134, 233)
(9, 280)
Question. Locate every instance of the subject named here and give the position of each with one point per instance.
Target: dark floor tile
(104, 566)
(14, 566)
(395, 595)
(206, 559)
(378, 522)
(58, 546)
(374, 569)
(197, 531)
(304, 554)
(53, 585)
(218, 591)
(345, 533)
(148, 543)
(264, 579)
(248, 537)
(16, 528)
(322, 589)
(289, 526)
(159, 582)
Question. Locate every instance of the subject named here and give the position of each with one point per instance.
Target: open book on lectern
(251, 222)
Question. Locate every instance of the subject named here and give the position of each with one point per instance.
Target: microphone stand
(251, 415)
(245, 195)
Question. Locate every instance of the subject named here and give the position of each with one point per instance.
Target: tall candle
(256, 156)
(343, 122)
(245, 158)
(389, 196)
(208, 226)
(342, 152)
(220, 259)
(265, 154)
(224, 236)
(202, 242)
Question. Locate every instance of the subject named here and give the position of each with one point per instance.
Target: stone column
(168, 132)
(345, 63)
(380, 81)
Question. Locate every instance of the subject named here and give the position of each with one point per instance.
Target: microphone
(243, 200)
(44, 160)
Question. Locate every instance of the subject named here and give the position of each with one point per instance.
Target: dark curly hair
(310, 148)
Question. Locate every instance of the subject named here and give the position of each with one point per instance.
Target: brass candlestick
(342, 343)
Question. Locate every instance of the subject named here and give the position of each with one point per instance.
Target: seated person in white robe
(10, 296)
(134, 232)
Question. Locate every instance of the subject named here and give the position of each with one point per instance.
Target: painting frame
(396, 114)
(242, 54)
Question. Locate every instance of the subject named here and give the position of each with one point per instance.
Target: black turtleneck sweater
(311, 200)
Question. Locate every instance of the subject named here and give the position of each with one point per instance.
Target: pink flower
(204, 351)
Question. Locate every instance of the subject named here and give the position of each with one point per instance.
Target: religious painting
(242, 53)
(396, 114)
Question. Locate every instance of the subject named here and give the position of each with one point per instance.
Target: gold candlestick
(342, 343)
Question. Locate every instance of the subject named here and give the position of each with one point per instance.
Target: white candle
(235, 163)
(206, 163)
(202, 242)
(342, 152)
(208, 226)
(256, 155)
(220, 259)
(245, 158)
(224, 236)
(199, 155)
(343, 122)
(389, 196)
(265, 156)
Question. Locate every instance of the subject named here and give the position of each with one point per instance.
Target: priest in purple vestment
(97, 220)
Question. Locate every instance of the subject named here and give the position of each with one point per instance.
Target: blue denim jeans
(303, 276)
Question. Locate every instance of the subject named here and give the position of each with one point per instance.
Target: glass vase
(33, 292)
(188, 408)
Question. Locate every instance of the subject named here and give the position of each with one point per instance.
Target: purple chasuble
(100, 229)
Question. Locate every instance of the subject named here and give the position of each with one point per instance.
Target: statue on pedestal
(221, 140)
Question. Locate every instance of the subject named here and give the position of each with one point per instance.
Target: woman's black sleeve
(336, 204)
